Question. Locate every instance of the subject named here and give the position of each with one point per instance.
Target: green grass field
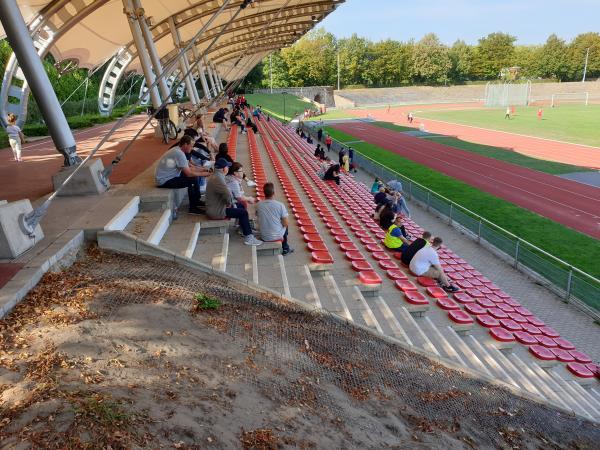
(540, 165)
(569, 245)
(284, 107)
(578, 124)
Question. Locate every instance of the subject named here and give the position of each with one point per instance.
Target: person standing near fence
(15, 137)
(507, 113)
(320, 135)
(539, 113)
(328, 142)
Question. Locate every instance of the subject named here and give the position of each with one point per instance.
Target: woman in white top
(234, 183)
(15, 137)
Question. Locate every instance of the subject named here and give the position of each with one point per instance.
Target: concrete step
(389, 321)
(144, 223)
(563, 398)
(182, 237)
(441, 342)
(471, 359)
(539, 382)
(591, 401)
(416, 333)
(577, 399)
(494, 362)
(209, 249)
(365, 311)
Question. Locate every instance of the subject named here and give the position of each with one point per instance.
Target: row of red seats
(258, 171)
(319, 252)
(232, 142)
(494, 309)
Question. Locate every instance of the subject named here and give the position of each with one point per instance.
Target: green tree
(431, 62)
(494, 52)
(527, 58)
(280, 71)
(577, 50)
(310, 61)
(461, 56)
(553, 59)
(355, 59)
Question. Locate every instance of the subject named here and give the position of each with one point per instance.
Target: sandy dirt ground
(115, 353)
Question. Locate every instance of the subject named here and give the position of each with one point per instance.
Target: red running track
(570, 203)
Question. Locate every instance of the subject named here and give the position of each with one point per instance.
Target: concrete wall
(540, 92)
(319, 94)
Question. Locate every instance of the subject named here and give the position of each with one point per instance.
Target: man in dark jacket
(414, 247)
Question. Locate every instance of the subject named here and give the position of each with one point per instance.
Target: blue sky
(531, 21)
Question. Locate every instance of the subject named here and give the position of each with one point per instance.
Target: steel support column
(142, 52)
(20, 41)
(219, 81)
(211, 78)
(183, 67)
(151, 47)
(201, 73)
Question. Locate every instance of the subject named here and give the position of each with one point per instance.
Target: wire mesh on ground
(568, 281)
(319, 355)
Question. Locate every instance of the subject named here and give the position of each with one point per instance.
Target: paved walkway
(571, 323)
(32, 178)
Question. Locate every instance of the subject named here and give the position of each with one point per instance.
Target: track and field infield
(572, 204)
(279, 105)
(576, 124)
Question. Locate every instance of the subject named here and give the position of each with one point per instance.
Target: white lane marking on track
(516, 187)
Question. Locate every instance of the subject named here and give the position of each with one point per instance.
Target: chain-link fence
(566, 280)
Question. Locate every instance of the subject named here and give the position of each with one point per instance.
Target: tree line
(312, 61)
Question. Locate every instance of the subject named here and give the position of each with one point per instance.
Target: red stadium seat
(354, 255)
(500, 334)
(564, 344)
(447, 303)
(396, 274)
(475, 309)
(436, 292)
(369, 277)
(487, 320)
(387, 264)
(415, 298)
(546, 341)
(460, 317)
(322, 257)
(360, 266)
(426, 281)
(580, 370)
(542, 353)
(463, 297)
(405, 285)
(562, 355)
(525, 338)
(580, 357)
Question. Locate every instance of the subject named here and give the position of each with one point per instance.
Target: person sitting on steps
(426, 263)
(273, 219)
(174, 172)
(219, 202)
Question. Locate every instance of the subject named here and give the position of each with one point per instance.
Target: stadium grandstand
(126, 322)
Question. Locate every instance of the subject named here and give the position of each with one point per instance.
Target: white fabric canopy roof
(92, 31)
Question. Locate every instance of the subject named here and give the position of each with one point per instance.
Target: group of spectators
(238, 117)
(197, 163)
(419, 254)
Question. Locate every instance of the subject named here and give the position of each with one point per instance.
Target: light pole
(284, 115)
(587, 54)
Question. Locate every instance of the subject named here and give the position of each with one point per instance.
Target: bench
(269, 248)
(209, 226)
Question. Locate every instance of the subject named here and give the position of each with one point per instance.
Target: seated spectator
(399, 203)
(221, 117)
(341, 156)
(381, 196)
(394, 238)
(273, 219)
(394, 185)
(174, 172)
(426, 263)
(322, 154)
(346, 163)
(332, 173)
(414, 247)
(219, 202)
(376, 186)
(385, 215)
(309, 139)
(234, 183)
(223, 152)
(318, 150)
(251, 124)
(235, 119)
(256, 113)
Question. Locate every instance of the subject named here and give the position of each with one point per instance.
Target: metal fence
(566, 280)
